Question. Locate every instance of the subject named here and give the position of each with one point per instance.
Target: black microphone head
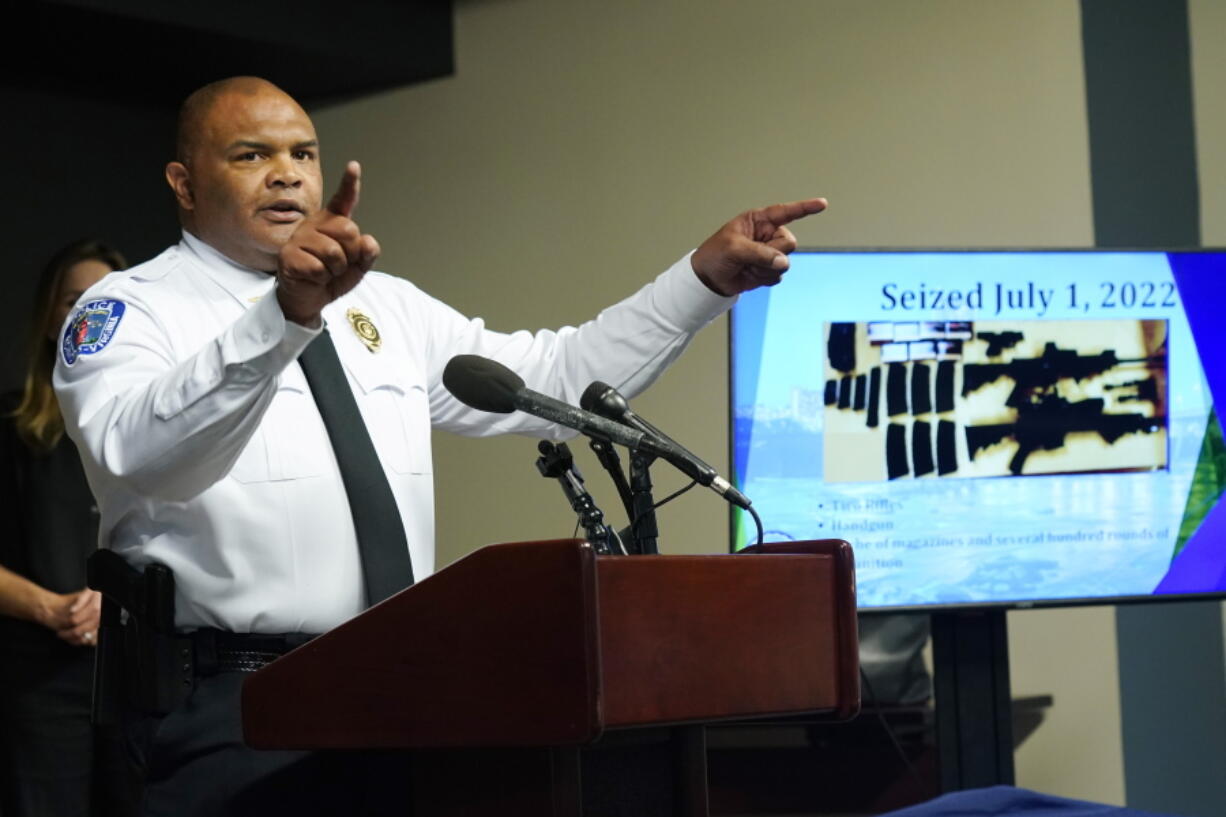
(482, 383)
(601, 398)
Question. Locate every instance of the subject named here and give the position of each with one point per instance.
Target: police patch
(90, 329)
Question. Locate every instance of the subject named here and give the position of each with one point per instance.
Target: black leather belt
(220, 651)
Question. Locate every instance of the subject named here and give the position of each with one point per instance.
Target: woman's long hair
(37, 416)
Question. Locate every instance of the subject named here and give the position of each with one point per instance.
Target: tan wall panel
(1071, 655)
(1207, 21)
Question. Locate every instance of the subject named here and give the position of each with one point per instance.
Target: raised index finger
(780, 214)
(346, 197)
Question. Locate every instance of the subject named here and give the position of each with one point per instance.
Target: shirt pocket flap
(395, 407)
(371, 371)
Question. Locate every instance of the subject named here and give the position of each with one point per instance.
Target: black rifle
(1000, 341)
(1044, 425)
(1037, 374)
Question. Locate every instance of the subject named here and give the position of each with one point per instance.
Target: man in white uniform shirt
(202, 442)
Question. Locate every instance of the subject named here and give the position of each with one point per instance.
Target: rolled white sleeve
(627, 345)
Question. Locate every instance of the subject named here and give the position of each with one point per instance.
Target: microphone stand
(556, 462)
(607, 455)
(643, 529)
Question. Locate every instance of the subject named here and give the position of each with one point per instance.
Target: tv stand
(974, 720)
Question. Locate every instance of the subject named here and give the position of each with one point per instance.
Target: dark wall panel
(90, 88)
(1146, 194)
(153, 53)
(1142, 133)
(75, 168)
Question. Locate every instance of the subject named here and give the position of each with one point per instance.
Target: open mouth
(283, 210)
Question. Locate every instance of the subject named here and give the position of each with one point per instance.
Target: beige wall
(1207, 20)
(583, 146)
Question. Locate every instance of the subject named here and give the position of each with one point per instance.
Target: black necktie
(381, 540)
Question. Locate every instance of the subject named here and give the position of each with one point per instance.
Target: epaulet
(383, 280)
(156, 268)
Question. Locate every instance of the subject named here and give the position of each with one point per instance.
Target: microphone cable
(757, 520)
(635, 523)
(752, 512)
(921, 789)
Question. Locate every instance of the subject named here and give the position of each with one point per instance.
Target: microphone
(606, 401)
(487, 385)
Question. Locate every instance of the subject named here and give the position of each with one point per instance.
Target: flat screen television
(990, 428)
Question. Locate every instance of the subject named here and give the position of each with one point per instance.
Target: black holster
(142, 662)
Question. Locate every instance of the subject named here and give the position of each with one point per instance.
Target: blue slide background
(1008, 539)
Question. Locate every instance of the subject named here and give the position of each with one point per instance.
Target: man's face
(252, 177)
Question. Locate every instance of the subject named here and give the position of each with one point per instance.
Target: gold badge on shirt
(364, 329)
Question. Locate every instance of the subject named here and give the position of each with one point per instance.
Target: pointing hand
(326, 256)
(751, 250)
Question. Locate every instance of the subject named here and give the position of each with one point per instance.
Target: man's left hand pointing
(751, 250)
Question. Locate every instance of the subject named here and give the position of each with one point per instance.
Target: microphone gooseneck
(606, 401)
(487, 385)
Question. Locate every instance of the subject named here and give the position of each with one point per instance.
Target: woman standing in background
(52, 761)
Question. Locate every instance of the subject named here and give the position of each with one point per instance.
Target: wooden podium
(505, 664)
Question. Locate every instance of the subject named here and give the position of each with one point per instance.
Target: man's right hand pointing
(326, 256)
(751, 250)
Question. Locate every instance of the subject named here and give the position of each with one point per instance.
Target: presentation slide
(1016, 427)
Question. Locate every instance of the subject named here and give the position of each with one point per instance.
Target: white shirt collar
(245, 284)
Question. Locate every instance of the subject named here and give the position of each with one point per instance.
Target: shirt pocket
(252, 462)
(396, 409)
(291, 441)
(299, 446)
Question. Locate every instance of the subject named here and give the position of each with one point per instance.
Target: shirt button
(264, 337)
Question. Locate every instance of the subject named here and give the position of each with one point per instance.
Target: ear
(180, 180)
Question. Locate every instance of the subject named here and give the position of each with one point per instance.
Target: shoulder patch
(90, 329)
